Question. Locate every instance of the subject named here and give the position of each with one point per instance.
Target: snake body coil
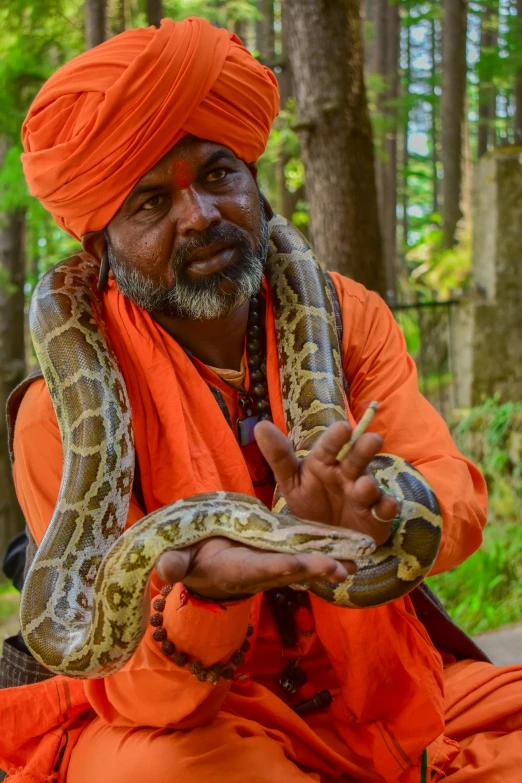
(85, 599)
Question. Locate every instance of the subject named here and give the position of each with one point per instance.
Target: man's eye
(217, 175)
(153, 202)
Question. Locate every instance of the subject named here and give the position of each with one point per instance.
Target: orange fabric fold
(387, 677)
(107, 116)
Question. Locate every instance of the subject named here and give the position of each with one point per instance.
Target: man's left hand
(321, 489)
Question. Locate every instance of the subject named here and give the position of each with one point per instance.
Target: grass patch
(8, 601)
(485, 592)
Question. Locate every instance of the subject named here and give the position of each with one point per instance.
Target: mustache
(203, 239)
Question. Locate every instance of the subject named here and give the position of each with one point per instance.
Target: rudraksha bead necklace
(254, 404)
(212, 674)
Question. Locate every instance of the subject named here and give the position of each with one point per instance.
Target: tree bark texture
(12, 357)
(95, 22)
(452, 104)
(518, 82)
(434, 119)
(154, 12)
(487, 92)
(386, 65)
(405, 151)
(368, 26)
(333, 123)
(265, 33)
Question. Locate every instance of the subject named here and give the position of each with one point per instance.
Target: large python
(85, 600)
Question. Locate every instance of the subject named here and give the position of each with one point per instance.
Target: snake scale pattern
(85, 601)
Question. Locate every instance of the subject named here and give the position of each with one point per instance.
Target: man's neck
(218, 342)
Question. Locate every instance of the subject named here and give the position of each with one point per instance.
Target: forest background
(386, 106)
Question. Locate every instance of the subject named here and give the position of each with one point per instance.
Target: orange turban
(105, 118)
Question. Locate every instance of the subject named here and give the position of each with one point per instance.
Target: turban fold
(106, 117)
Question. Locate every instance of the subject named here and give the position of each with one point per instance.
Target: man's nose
(194, 210)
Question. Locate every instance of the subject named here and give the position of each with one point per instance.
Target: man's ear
(94, 244)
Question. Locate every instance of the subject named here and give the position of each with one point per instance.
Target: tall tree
(265, 33)
(518, 78)
(405, 135)
(454, 68)
(12, 350)
(154, 12)
(434, 117)
(333, 124)
(486, 86)
(95, 22)
(386, 66)
(368, 25)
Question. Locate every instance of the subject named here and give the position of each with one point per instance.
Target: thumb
(279, 453)
(174, 565)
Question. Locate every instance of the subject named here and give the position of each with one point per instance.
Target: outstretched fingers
(279, 453)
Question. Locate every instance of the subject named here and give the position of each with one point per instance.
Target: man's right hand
(221, 569)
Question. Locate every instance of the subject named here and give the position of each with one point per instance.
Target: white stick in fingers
(366, 418)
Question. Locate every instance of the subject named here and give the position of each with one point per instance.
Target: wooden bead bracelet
(211, 675)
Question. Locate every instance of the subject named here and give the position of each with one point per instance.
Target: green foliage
(485, 592)
(221, 12)
(491, 436)
(37, 37)
(435, 269)
(283, 145)
(8, 601)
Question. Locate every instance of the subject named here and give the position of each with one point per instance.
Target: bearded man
(145, 148)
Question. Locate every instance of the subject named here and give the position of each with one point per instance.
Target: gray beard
(197, 301)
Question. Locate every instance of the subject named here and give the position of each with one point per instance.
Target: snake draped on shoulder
(82, 609)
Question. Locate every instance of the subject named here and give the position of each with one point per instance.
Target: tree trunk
(386, 65)
(434, 116)
(453, 94)
(240, 28)
(334, 127)
(486, 87)
(368, 19)
(154, 12)
(265, 34)
(95, 22)
(405, 139)
(12, 355)
(287, 199)
(518, 82)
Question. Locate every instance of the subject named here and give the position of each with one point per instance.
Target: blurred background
(397, 153)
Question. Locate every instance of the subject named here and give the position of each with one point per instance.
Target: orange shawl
(389, 672)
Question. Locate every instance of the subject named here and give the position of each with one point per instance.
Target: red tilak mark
(183, 176)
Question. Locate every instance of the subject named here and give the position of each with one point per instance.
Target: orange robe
(395, 703)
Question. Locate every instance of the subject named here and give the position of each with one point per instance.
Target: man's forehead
(193, 151)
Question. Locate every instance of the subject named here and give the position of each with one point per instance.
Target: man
(145, 148)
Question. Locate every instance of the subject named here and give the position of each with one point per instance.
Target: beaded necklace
(254, 405)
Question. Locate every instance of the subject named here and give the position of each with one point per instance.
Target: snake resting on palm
(84, 604)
